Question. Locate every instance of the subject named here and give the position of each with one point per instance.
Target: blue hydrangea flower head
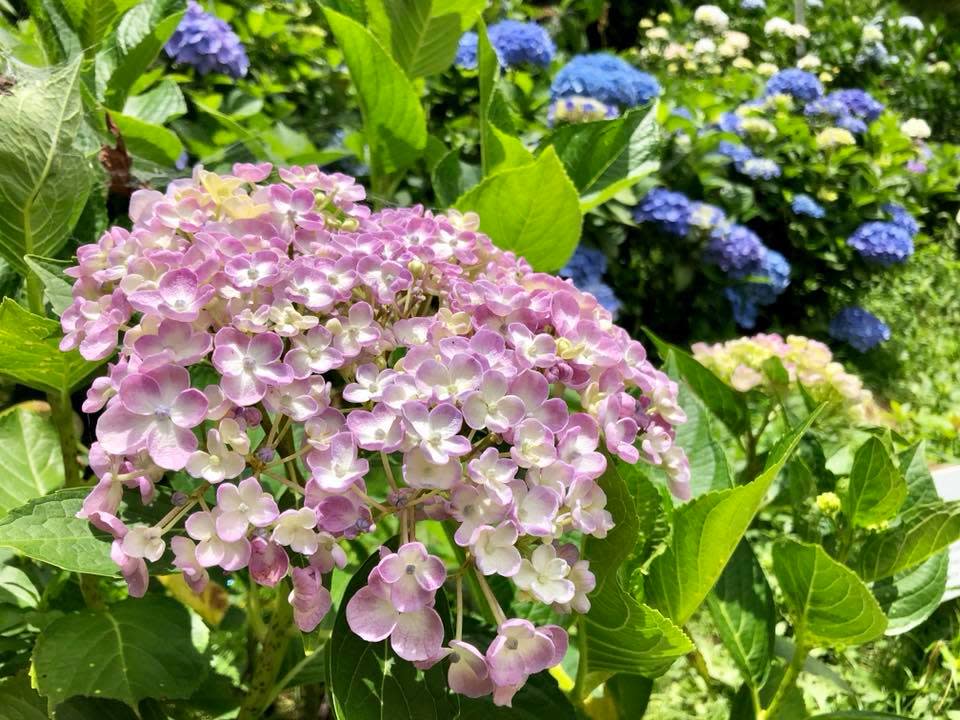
(806, 205)
(735, 251)
(587, 265)
(466, 56)
(858, 103)
(604, 295)
(873, 53)
(759, 168)
(735, 151)
(884, 243)
(859, 328)
(670, 210)
(901, 217)
(515, 43)
(766, 281)
(803, 86)
(753, 5)
(605, 77)
(730, 122)
(682, 112)
(207, 42)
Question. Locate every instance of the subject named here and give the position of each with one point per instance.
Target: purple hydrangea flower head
(735, 151)
(753, 5)
(884, 243)
(736, 251)
(671, 210)
(759, 168)
(859, 328)
(766, 281)
(858, 103)
(801, 85)
(515, 43)
(806, 205)
(605, 77)
(901, 217)
(208, 43)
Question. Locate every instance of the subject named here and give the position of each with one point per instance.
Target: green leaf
(623, 635)
(47, 529)
(607, 156)
(539, 698)
(30, 351)
(394, 122)
(98, 19)
(706, 531)
(630, 694)
(30, 461)
(858, 715)
(708, 461)
(139, 37)
(877, 489)
(922, 531)
(57, 287)
(828, 604)
(531, 210)
(17, 589)
(728, 405)
(744, 614)
(909, 597)
(452, 178)
(921, 489)
(422, 35)
(44, 178)
(158, 105)
(20, 701)
(132, 650)
(367, 681)
(148, 141)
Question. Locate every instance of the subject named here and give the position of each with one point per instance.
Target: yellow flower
(832, 137)
(646, 23)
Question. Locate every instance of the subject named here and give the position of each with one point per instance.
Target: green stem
(789, 678)
(579, 683)
(267, 663)
(61, 412)
(476, 592)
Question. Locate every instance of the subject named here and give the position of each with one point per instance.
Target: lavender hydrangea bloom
(671, 210)
(900, 217)
(466, 56)
(884, 243)
(759, 168)
(736, 251)
(851, 109)
(734, 151)
(515, 43)
(806, 205)
(799, 84)
(859, 328)
(858, 103)
(605, 77)
(207, 42)
(767, 280)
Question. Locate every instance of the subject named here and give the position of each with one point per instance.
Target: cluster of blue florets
(753, 5)
(902, 218)
(758, 168)
(801, 85)
(586, 269)
(735, 151)
(735, 250)
(605, 77)
(670, 210)
(765, 282)
(515, 43)
(806, 205)
(851, 109)
(859, 328)
(207, 43)
(884, 243)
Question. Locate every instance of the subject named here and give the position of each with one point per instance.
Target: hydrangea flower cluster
(902, 218)
(333, 340)
(208, 43)
(577, 109)
(604, 77)
(515, 43)
(801, 85)
(739, 363)
(859, 328)
(806, 205)
(763, 282)
(670, 210)
(851, 109)
(586, 269)
(883, 243)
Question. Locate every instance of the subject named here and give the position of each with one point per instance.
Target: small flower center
(249, 363)
(410, 569)
(512, 644)
(161, 412)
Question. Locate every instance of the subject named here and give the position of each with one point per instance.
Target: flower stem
(61, 412)
(459, 634)
(270, 658)
(789, 678)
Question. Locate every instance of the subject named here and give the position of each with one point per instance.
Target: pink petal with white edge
(417, 635)
(370, 613)
(468, 674)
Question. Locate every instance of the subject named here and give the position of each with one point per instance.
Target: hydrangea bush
(277, 340)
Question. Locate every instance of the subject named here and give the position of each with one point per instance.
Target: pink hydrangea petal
(418, 635)
(371, 614)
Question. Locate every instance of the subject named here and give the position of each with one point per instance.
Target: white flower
(295, 528)
(675, 51)
(916, 128)
(871, 34)
(832, 137)
(711, 16)
(704, 46)
(777, 26)
(494, 549)
(657, 33)
(544, 576)
(808, 62)
(767, 69)
(798, 31)
(910, 22)
(742, 63)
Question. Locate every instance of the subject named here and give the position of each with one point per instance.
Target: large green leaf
(706, 531)
(744, 614)
(828, 604)
(877, 489)
(30, 461)
(909, 597)
(98, 19)
(393, 119)
(923, 531)
(44, 178)
(728, 405)
(367, 681)
(20, 701)
(622, 634)
(30, 351)
(140, 35)
(132, 650)
(47, 529)
(422, 35)
(708, 461)
(57, 287)
(607, 156)
(161, 103)
(921, 489)
(531, 210)
(148, 141)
